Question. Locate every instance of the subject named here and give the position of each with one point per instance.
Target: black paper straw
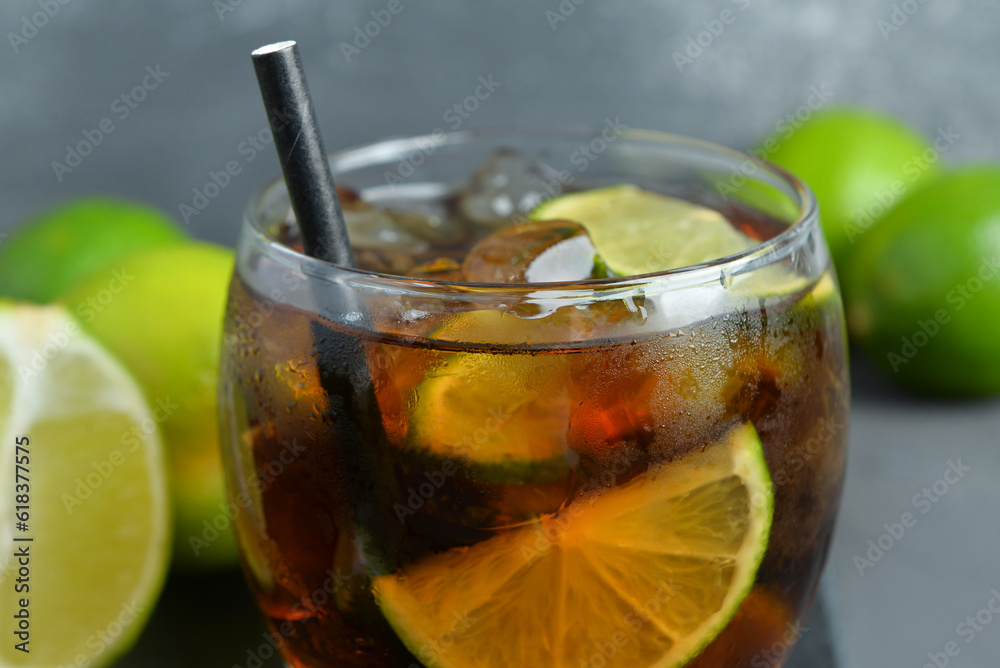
(358, 433)
(310, 184)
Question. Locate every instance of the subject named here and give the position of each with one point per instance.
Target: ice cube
(372, 228)
(369, 227)
(507, 184)
(430, 223)
(536, 252)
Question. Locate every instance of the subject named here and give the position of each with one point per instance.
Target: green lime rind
(859, 164)
(51, 252)
(500, 417)
(758, 195)
(751, 466)
(923, 288)
(160, 311)
(498, 471)
(485, 413)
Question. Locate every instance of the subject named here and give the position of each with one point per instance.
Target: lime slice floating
(505, 415)
(97, 493)
(637, 232)
(640, 232)
(777, 281)
(674, 551)
(821, 293)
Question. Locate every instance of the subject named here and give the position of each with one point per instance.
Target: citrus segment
(639, 232)
(96, 492)
(505, 414)
(661, 563)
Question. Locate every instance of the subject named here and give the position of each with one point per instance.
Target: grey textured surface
(608, 58)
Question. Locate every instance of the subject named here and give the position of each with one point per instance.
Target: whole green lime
(923, 289)
(160, 311)
(859, 164)
(51, 252)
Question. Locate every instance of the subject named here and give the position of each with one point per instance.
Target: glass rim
(762, 254)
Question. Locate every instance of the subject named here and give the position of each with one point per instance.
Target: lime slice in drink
(503, 415)
(639, 232)
(661, 564)
(95, 490)
(776, 282)
(820, 295)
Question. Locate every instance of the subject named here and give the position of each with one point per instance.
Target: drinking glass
(642, 470)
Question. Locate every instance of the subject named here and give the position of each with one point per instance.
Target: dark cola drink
(439, 471)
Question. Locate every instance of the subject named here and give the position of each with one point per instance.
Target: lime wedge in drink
(92, 494)
(637, 231)
(503, 415)
(675, 551)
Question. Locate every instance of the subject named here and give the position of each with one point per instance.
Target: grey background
(609, 58)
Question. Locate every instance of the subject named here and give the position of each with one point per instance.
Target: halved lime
(639, 232)
(95, 491)
(160, 312)
(662, 562)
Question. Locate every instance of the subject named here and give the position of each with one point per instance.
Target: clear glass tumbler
(641, 471)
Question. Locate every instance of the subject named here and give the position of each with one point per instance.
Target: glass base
(208, 621)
